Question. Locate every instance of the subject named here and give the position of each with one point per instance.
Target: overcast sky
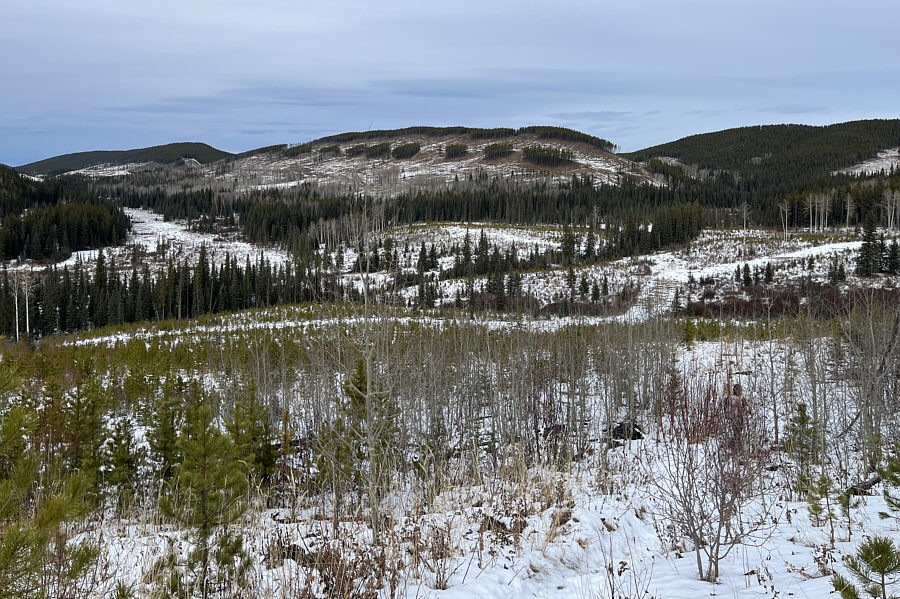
(94, 74)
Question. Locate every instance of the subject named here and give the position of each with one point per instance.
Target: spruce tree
(868, 262)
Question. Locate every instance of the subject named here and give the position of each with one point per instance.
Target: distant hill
(766, 148)
(763, 165)
(395, 161)
(168, 153)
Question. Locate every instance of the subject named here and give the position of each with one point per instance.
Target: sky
(97, 74)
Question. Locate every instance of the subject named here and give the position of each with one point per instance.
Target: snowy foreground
(589, 545)
(595, 528)
(563, 537)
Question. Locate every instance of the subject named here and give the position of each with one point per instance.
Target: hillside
(398, 160)
(161, 154)
(763, 166)
(776, 147)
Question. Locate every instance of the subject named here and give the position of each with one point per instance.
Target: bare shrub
(709, 462)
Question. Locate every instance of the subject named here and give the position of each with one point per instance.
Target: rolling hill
(767, 148)
(168, 153)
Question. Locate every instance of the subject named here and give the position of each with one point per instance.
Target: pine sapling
(876, 566)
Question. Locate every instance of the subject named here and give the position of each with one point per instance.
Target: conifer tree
(207, 492)
(876, 566)
(249, 428)
(121, 462)
(868, 262)
(360, 449)
(801, 435)
(30, 522)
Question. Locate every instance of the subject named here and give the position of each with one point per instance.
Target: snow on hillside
(151, 229)
(427, 168)
(100, 171)
(885, 161)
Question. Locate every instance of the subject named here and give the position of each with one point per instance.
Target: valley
(302, 371)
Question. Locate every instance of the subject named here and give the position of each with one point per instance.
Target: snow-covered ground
(151, 232)
(108, 170)
(427, 168)
(594, 529)
(885, 161)
(150, 229)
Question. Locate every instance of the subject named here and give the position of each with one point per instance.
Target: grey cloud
(595, 115)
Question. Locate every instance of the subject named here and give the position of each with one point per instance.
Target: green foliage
(360, 449)
(54, 232)
(674, 173)
(53, 218)
(495, 133)
(876, 567)
(746, 279)
(801, 443)
(208, 491)
(166, 420)
(248, 425)
(542, 132)
(868, 261)
(497, 150)
(331, 150)
(33, 563)
(563, 134)
(121, 461)
(381, 150)
(298, 150)
(818, 499)
(890, 475)
(357, 150)
(452, 151)
(383, 133)
(404, 151)
(767, 165)
(547, 155)
(85, 407)
(823, 149)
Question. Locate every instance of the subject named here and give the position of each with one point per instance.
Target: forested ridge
(781, 148)
(296, 218)
(765, 165)
(163, 154)
(543, 132)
